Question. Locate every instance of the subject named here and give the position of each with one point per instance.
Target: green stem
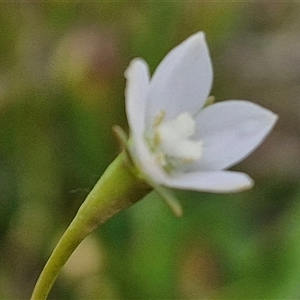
(117, 189)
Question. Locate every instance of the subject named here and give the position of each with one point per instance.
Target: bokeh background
(62, 89)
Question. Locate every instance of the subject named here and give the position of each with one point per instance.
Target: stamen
(159, 118)
(172, 141)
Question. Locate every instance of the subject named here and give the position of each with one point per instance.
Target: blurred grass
(61, 90)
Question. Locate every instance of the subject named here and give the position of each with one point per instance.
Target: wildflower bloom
(178, 142)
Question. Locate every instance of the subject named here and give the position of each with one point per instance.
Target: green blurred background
(62, 89)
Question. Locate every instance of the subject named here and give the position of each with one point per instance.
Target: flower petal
(137, 75)
(182, 81)
(146, 162)
(211, 181)
(230, 131)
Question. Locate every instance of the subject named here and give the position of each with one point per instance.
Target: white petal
(211, 181)
(230, 131)
(182, 81)
(137, 75)
(146, 162)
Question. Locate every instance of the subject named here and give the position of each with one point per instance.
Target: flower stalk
(117, 189)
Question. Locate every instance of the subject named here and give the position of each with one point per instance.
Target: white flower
(177, 142)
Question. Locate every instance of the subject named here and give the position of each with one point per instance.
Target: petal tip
(135, 63)
(198, 38)
(273, 117)
(247, 186)
(200, 35)
(246, 183)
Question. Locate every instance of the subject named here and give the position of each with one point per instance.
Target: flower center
(172, 141)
